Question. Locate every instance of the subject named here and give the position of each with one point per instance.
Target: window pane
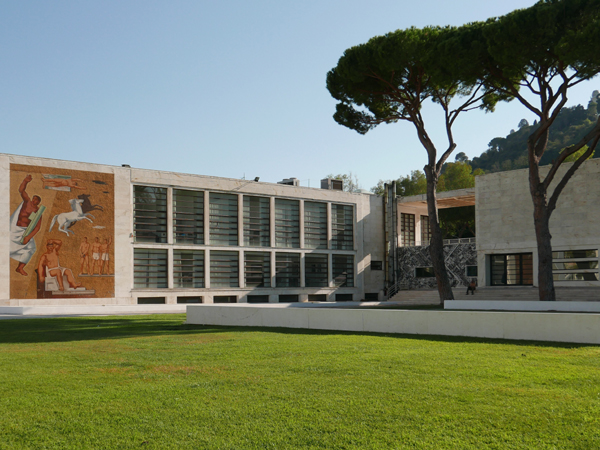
(188, 216)
(150, 214)
(425, 230)
(512, 269)
(287, 269)
(223, 219)
(342, 219)
(407, 229)
(188, 268)
(224, 269)
(257, 269)
(315, 225)
(256, 221)
(149, 268)
(316, 270)
(343, 270)
(287, 223)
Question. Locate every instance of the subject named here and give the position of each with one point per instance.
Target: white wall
(555, 327)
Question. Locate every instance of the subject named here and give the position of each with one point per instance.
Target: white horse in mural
(65, 220)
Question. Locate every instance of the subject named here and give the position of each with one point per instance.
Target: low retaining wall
(554, 327)
(513, 305)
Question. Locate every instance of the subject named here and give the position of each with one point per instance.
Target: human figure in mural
(105, 259)
(96, 255)
(49, 266)
(84, 248)
(25, 222)
(73, 183)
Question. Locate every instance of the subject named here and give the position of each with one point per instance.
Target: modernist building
(504, 252)
(94, 234)
(79, 233)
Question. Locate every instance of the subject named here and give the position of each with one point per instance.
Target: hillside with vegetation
(510, 152)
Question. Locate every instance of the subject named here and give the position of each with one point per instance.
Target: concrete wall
(554, 327)
(504, 216)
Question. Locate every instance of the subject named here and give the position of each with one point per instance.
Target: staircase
(431, 297)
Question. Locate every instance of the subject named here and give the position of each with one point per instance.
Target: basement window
(424, 272)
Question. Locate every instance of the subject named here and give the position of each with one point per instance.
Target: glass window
(150, 268)
(315, 225)
(514, 269)
(288, 298)
(407, 229)
(376, 265)
(257, 269)
(343, 270)
(575, 265)
(287, 268)
(224, 299)
(188, 216)
(424, 272)
(342, 219)
(315, 272)
(425, 230)
(188, 269)
(258, 299)
(223, 219)
(256, 221)
(287, 223)
(224, 269)
(150, 214)
(471, 271)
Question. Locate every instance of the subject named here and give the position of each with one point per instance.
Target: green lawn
(151, 382)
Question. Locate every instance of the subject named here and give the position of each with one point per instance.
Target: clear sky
(225, 88)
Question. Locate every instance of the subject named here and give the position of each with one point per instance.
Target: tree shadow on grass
(123, 327)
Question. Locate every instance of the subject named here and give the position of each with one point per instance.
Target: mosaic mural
(457, 257)
(61, 233)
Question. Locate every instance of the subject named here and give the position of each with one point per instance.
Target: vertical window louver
(150, 214)
(188, 216)
(287, 223)
(223, 219)
(315, 225)
(342, 219)
(257, 221)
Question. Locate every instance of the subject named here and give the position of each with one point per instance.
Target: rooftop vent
(330, 183)
(290, 181)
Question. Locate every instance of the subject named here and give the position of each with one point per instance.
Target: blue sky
(227, 88)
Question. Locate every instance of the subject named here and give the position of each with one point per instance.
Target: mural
(61, 233)
(457, 257)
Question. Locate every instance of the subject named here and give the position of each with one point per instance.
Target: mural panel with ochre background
(62, 233)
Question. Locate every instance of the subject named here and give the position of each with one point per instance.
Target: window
(425, 230)
(371, 296)
(407, 229)
(317, 297)
(224, 299)
(376, 265)
(343, 297)
(257, 269)
(150, 214)
(223, 219)
(257, 211)
(471, 271)
(315, 272)
(343, 270)
(258, 299)
(224, 269)
(188, 269)
(195, 299)
(188, 216)
(150, 268)
(287, 223)
(575, 265)
(287, 269)
(424, 272)
(287, 298)
(510, 270)
(315, 225)
(342, 218)
(151, 300)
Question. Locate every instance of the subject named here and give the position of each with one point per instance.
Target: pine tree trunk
(541, 220)
(436, 245)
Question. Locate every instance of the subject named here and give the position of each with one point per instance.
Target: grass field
(152, 382)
